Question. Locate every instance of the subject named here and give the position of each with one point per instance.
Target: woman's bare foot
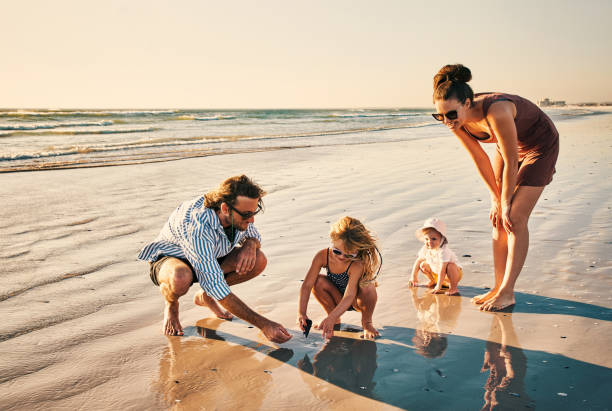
(482, 298)
(205, 300)
(499, 302)
(369, 331)
(172, 326)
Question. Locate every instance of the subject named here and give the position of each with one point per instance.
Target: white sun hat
(433, 222)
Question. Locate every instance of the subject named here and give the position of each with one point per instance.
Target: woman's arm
(481, 160)
(309, 281)
(501, 120)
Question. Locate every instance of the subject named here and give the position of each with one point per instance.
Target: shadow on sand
(407, 368)
(538, 304)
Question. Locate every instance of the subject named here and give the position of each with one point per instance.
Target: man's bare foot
(498, 302)
(205, 300)
(172, 326)
(482, 298)
(452, 291)
(369, 331)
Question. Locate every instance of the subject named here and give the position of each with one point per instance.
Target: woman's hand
(495, 214)
(505, 216)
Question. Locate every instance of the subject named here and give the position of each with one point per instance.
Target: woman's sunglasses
(338, 252)
(451, 115)
(245, 214)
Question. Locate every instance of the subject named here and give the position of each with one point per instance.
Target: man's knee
(180, 279)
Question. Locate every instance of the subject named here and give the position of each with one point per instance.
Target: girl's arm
(327, 325)
(415, 272)
(311, 277)
(501, 120)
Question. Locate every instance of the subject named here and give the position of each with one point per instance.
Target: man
(211, 240)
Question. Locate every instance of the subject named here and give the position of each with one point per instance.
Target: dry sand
(81, 321)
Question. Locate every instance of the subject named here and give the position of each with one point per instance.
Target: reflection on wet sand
(507, 366)
(433, 312)
(205, 373)
(346, 362)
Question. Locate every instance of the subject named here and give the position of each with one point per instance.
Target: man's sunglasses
(245, 214)
(451, 115)
(338, 252)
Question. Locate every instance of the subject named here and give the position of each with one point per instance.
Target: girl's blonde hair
(357, 237)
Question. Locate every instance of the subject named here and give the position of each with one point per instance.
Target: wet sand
(81, 321)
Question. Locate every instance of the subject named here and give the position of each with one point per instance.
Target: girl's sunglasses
(338, 252)
(451, 115)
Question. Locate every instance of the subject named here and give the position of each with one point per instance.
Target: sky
(285, 54)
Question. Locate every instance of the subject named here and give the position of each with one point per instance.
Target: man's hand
(246, 258)
(275, 332)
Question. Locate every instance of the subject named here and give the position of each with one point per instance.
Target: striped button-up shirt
(194, 233)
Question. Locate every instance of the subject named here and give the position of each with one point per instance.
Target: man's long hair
(231, 188)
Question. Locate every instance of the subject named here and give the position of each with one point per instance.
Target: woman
(524, 162)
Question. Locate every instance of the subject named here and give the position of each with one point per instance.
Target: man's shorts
(155, 266)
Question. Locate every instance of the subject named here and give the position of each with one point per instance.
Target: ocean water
(51, 139)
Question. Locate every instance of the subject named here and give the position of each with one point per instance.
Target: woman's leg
(523, 203)
(499, 239)
(500, 255)
(365, 303)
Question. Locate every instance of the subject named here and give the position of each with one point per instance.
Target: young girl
(350, 282)
(436, 259)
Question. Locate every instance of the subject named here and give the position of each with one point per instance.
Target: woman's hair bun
(456, 73)
(451, 81)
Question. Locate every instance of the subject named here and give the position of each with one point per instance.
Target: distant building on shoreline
(546, 102)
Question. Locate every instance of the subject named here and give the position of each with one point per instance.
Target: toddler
(435, 259)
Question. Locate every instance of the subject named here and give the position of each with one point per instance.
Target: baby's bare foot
(204, 300)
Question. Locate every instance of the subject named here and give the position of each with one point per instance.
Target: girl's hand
(301, 321)
(505, 215)
(413, 283)
(327, 327)
(495, 214)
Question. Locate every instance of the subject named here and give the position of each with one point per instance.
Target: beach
(82, 322)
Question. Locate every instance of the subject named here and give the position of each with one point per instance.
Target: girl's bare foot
(452, 291)
(431, 284)
(482, 298)
(499, 302)
(204, 300)
(369, 331)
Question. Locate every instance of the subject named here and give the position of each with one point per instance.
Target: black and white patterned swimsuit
(339, 280)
